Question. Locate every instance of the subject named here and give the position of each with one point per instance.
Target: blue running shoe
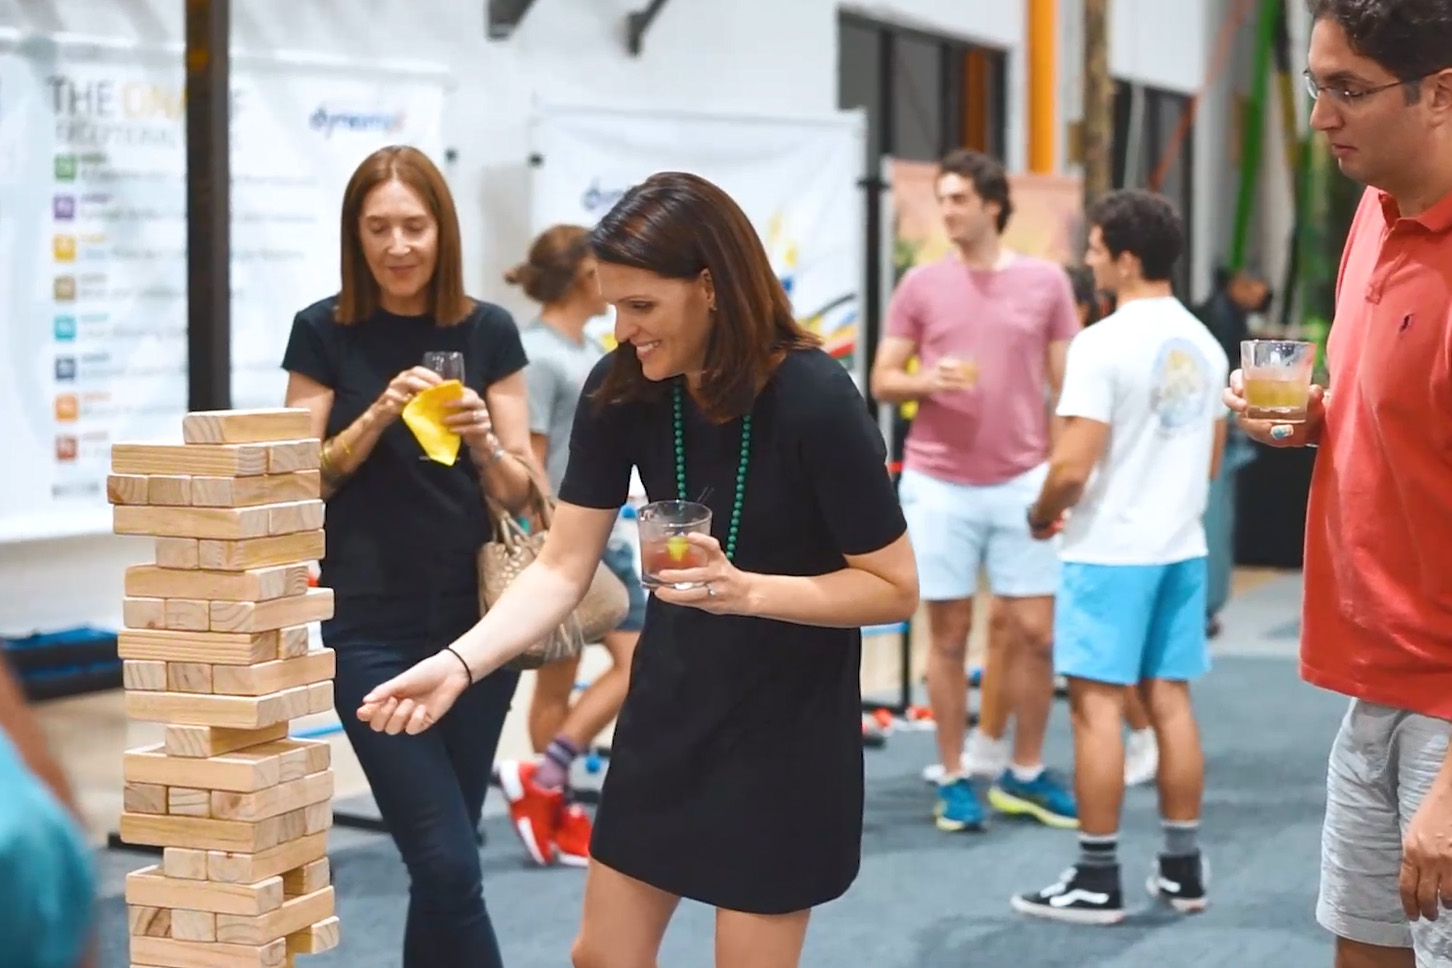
(1045, 799)
(958, 807)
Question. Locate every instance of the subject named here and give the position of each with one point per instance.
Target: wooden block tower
(215, 647)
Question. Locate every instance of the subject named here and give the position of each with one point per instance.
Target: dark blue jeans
(429, 788)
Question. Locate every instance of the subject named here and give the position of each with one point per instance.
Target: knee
(585, 954)
(445, 880)
(1034, 637)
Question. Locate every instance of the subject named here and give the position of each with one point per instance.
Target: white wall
(762, 56)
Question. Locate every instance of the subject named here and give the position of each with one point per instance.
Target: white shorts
(959, 529)
(1381, 766)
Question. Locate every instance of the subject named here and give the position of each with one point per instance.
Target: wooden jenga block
(208, 741)
(165, 953)
(295, 455)
(221, 460)
(294, 516)
(257, 585)
(257, 680)
(184, 863)
(258, 766)
(150, 888)
(293, 642)
(249, 553)
(314, 605)
(184, 802)
(236, 712)
(149, 922)
(320, 937)
(229, 524)
(212, 648)
(143, 674)
(246, 426)
(320, 697)
(237, 492)
(171, 490)
(308, 878)
(187, 614)
(144, 613)
(196, 925)
(317, 818)
(201, 833)
(295, 915)
(127, 488)
(143, 798)
(177, 553)
(195, 677)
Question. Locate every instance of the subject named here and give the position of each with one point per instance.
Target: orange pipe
(1043, 79)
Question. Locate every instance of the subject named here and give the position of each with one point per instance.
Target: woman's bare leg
(624, 921)
(760, 940)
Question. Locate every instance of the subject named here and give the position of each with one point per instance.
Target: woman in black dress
(736, 767)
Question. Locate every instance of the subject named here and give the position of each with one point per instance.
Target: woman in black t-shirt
(736, 767)
(403, 532)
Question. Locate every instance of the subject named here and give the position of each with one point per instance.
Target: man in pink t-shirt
(990, 329)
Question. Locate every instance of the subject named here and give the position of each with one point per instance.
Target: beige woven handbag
(511, 549)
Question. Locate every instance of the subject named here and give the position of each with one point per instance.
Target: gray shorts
(1382, 764)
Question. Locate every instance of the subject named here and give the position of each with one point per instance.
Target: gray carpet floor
(930, 900)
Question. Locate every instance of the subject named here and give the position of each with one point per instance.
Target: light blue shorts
(959, 529)
(1124, 623)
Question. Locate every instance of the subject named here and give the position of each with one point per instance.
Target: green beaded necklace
(680, 445)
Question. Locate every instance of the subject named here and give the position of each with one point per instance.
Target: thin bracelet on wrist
(467, 671)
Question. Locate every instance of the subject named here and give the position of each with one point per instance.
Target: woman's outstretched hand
(417, 698)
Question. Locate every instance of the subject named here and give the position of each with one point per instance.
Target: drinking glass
(1277, 378)
(663, 544)
(449, 365)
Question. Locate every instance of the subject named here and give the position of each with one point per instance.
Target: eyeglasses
(1345, 95)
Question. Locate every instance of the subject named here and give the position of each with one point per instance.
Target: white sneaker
(1141, 758)
(982, 757)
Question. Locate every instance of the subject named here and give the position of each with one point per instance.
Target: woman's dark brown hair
(358, 298)
(553, 264)
(677, 225)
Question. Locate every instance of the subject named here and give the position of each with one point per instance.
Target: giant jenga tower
(216, 648)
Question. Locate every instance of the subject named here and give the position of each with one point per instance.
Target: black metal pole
(209, 210)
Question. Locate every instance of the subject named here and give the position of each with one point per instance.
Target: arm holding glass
(533, 604)
(1272, 395)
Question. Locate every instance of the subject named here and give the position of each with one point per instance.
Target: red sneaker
(572, 836)
(535, 811)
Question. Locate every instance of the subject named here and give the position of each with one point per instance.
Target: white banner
(796, 179)
(93, 248)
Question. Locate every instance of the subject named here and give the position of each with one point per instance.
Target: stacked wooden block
(216, 648)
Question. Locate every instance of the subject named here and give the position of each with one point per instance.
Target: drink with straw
(663, 543)
(1277, 378)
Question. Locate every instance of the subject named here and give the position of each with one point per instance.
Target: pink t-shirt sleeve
(905, 310)
(1063, 314)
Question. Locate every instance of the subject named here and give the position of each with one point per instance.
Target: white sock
(1026, 774)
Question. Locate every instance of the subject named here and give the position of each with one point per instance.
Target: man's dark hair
(1143, 224)
(1410, 38)
(989, 179)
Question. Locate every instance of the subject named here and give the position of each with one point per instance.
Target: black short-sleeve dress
(736, 770)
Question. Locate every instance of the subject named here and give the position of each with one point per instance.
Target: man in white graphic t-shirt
(1144, 428)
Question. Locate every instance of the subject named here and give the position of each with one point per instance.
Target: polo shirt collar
(1438, 218)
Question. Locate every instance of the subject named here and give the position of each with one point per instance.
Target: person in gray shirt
(559, 274)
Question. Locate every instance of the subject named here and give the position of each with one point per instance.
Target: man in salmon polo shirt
(1377, 613)
(990, 329)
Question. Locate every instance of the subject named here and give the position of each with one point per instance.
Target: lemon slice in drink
(677, 546)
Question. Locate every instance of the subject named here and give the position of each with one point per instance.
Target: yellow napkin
(425, 415)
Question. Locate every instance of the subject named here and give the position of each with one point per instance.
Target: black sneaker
(1083, 895)
(1182, 882)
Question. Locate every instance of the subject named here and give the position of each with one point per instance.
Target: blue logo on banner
(597, 199)
(327, 121)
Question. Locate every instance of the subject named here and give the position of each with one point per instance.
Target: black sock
(1099, 851)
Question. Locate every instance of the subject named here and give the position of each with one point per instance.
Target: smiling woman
(736, 767)
(403, 532)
